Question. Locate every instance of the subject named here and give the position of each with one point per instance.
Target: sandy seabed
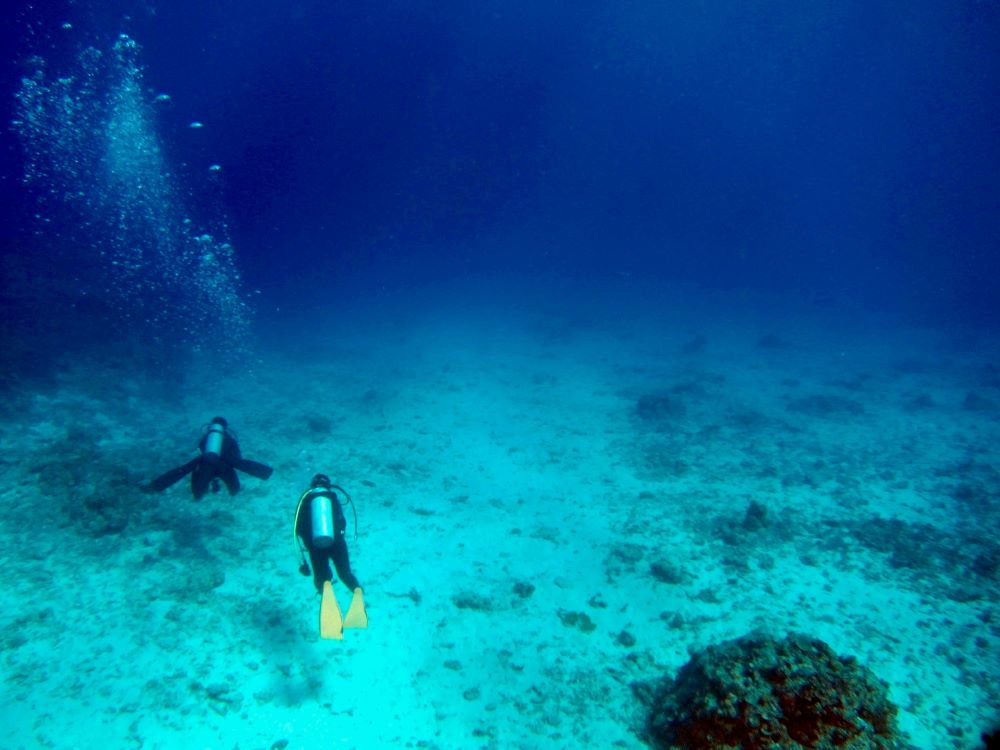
(550, 508)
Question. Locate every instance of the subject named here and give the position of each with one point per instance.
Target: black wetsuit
(320, 558)
(204, 469)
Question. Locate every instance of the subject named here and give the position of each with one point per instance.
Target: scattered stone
(708, 595)
(918, 549)
(472, 694)
(626, 553)
(524, 589)
(626, 639)
(665, 571)
(472, 600)
(579, 620)
(218, 691)
(548, 533)
(674, 620)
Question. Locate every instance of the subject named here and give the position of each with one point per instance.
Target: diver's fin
(173, 476)
(357, 617)
(254, 468)
(331, 624)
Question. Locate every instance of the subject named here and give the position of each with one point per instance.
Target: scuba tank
(320, 497)
(213, 441)
(321, 507)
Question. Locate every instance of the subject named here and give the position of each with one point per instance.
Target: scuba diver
(219, 459)
(319, 527)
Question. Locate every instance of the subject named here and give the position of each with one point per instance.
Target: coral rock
(759, 693)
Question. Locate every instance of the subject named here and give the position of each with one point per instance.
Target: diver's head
(321, 480)
(220, 420)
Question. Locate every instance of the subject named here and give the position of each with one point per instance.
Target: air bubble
(91, 147)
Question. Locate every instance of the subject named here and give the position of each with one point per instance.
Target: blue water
(457, 250)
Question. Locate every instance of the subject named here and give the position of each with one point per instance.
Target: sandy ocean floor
(550, 508)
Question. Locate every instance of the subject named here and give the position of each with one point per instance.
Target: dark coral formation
(760, 693)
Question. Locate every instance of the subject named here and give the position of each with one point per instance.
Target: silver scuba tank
(321, 508)
(213, 441)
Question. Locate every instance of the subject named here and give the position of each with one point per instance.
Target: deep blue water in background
(825, 151)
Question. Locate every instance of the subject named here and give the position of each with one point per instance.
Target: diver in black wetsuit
(321, 531)
(319, 527)
(219, 459)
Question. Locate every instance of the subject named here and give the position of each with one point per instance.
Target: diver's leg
(357, 616)
(200, 479)
(228, 475)
(321, 568)
(343, 562)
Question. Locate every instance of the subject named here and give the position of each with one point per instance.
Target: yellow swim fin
(331, 624)
(357, 617)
